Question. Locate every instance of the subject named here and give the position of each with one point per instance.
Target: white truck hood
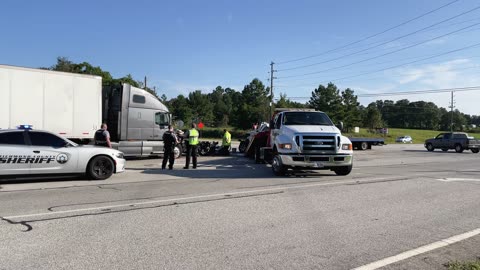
(312, 129)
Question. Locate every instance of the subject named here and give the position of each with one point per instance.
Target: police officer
(102, 137)
(192, 144)
(169, 142)
(226, 142)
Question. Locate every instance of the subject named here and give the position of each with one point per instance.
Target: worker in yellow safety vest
(192, 143)
(226, 142)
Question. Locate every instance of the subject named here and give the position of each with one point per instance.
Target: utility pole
(451, 113)
(271, 89)
(145, 83)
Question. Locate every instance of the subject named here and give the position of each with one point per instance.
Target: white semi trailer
(75, 105)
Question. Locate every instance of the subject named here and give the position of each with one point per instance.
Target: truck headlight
(286, 146)
(347, 147)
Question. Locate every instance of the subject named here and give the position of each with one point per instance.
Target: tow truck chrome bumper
(317, 161)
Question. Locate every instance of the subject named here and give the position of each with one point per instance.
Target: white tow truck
(304, 139)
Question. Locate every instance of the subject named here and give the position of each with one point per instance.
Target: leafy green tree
(373, 117)
(180, 108)
(201, 106)
(285, 102)
(254, 104)
(351, 110)
(328, 100)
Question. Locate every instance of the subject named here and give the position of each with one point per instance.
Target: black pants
(191, 151)
(169, 155)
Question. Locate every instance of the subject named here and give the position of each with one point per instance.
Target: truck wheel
(100, 168)
(343, 170)
(475, 150)
(177, 151)
(444, 149)
(430, 147)
(364, 146)
(458, 148)
(277, 166)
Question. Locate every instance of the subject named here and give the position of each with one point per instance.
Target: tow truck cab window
(439, 137)
(447, 136)
(15, 137)
(46, 139)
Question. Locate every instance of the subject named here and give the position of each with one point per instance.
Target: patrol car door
(15, 155)
(52, 154)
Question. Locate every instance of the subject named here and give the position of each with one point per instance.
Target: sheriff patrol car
(29, 152)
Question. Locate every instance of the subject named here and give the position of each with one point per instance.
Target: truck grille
(320, 144)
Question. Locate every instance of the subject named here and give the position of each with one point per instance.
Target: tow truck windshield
(306, 118)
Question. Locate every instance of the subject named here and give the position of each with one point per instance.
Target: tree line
(224, 107)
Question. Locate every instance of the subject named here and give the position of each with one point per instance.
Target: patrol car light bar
(25, 127)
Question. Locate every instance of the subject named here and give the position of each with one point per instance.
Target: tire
(430, 147)
(177, 151)
(458, 148)
(100, 168)
(343, 170)
(444, 149)
(364, 146)
(475, 150)
(277, 166)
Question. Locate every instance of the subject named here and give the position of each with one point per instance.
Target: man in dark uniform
(102, 137)
(169, 142)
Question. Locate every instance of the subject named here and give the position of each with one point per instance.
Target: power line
(414, 92)
(381, 44)
(399, 75)
(385, 54)
(371, 36)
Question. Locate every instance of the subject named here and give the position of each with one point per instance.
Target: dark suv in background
(453, 140)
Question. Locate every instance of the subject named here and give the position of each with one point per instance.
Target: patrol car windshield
(306, 118)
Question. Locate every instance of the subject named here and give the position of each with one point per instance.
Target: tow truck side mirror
(340, 125)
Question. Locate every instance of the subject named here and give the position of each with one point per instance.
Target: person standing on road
(102, 137)
(226, 142)
(169, 142)
(192, 142)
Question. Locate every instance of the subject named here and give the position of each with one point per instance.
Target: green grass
(418, 136)
(455, 265)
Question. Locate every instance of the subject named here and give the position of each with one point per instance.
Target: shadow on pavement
(234, 166)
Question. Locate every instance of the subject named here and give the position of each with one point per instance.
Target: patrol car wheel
(100, 168)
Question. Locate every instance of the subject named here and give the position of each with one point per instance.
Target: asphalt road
(230, 213)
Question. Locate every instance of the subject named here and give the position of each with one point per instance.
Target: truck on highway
(303, 139)
(459, 141)
(74, 106)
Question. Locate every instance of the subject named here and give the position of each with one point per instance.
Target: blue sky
(187, 45)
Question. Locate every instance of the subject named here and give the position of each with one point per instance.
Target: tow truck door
(275, 129)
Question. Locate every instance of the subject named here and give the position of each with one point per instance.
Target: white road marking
(457, 179)
(418, 251)
(220, 195)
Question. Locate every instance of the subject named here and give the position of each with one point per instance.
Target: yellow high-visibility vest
(227, 139)
(193, 137)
